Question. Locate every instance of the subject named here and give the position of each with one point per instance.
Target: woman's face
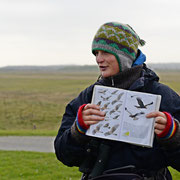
(108, 64)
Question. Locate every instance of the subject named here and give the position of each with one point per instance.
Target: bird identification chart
(125, 118)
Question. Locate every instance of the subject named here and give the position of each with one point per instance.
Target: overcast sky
(54, 32)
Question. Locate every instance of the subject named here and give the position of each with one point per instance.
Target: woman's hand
(91, 114)
(160, 121)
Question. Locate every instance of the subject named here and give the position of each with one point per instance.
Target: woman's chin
(105, 74)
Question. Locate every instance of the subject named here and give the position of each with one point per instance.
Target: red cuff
(80, 119)
(168, 125)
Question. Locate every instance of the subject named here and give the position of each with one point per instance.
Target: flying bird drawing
(116, 117)
(134, 116)
(106, 125)
(118, 98)
(133, 96)
(99, 103)
(114, 92)
(141, 104)
(97, 129)
(106, 98)
(102, 91)
(112, 111)
(111, 130)
(105, 106)
(117, 107)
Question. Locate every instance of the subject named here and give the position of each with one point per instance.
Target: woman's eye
(105, 53)
(96, 53)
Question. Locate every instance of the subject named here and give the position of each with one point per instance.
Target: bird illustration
(118, 98)
(112, 111)
(114, 92)
(97, 129)
(102, 91)
(134, 116)
(112, 130)
(99, 103)
(105, 98)
(141, 104)
(115, 101)
(117, 107)
(105, 106)
(106, 125)
(133, 96)
(116, 117)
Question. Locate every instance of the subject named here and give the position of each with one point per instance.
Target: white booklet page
(125, 118)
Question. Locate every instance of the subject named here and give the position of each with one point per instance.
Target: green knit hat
(120, 40)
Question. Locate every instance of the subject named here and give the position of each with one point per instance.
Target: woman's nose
(99, 58)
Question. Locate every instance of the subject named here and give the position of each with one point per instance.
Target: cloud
(61, 31)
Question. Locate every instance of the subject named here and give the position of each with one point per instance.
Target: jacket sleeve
(171, 147)
(69, 151)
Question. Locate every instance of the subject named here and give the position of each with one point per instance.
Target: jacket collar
(123, 79)
(132, 79)
(147, 75)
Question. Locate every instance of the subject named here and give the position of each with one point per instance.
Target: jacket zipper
(112, 80)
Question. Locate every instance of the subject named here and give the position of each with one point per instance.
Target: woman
(121, 64)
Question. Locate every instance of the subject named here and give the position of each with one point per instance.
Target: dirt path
(27, 143)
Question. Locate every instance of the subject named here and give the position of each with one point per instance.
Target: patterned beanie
(120, 40)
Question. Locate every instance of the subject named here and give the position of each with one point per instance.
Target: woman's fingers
(92, 119)
(93, 109)
(157, 131)
(92, 114)
(155, 114)
(160, 121)
(91, 106)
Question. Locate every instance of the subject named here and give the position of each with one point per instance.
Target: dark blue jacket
(72, 153)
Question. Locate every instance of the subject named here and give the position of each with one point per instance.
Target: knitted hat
(120, 40)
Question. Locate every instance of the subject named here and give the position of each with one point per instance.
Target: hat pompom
(142, 42)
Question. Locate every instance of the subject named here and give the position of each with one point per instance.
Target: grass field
(33, 104)
(37, 101)
(20, 165)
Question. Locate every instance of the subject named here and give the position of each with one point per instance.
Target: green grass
(175, 174)
(172, 79)
(37, 101)
(33, 103)
(20, 165)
